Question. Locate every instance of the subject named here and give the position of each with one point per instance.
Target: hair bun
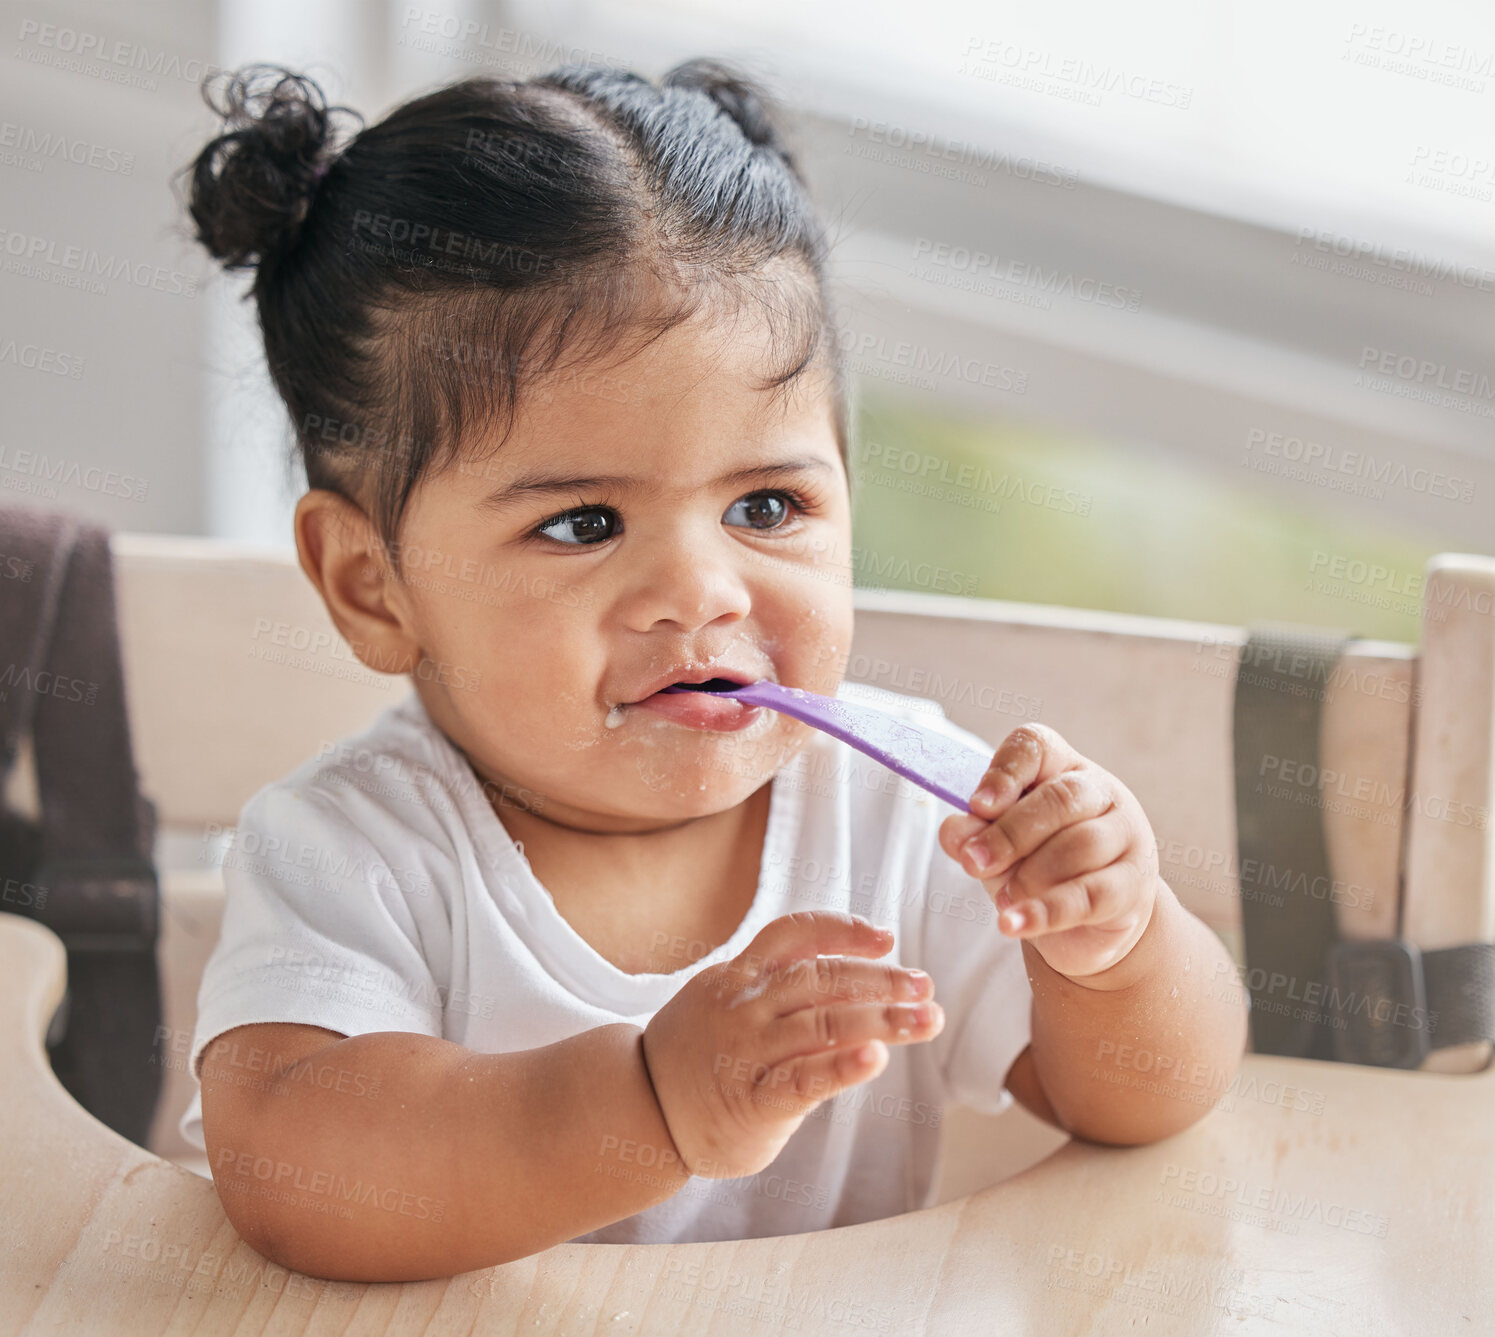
(252, 186)
(737, 94)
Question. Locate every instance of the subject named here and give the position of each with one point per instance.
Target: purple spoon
(946, 768)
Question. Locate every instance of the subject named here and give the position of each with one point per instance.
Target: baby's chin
(721, 775)
(656, 770)
(707, 773)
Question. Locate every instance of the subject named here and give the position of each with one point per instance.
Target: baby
(547, 954)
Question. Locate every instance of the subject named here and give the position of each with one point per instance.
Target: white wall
(118, 436)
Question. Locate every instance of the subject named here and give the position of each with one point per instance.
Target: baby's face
(551, 609)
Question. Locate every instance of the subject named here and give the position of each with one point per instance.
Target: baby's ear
(342, 556)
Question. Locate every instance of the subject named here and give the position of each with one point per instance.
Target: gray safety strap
(35, 548)
(1281, 680)
(1460, 983)
(1396, 1003)
(88, 861)
(1383, 1003)
(97, 827)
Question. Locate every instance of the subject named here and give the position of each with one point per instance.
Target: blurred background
(1165, 308)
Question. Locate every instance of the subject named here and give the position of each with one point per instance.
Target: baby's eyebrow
(539, 485)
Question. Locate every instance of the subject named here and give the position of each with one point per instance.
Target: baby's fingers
(1074, 796)
(1093, 898)
(817, 1077)
(829, 979)
(847, 1025)
(1083, 848)
(1029, 755)
(800, 936)
(810, 1055)
(805, 934)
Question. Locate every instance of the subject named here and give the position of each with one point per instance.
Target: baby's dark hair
(410, 285)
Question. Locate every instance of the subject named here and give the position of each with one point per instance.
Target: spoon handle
(946, 768)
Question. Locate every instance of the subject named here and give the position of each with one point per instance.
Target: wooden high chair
(1318, 1198)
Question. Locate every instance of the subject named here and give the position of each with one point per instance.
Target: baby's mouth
(699, 709)
(710, 685)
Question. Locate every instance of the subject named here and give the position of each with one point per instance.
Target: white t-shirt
(376, 889)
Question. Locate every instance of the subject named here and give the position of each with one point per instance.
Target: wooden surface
(1360, 1204)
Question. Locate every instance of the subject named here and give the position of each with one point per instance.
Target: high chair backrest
(235, 676)
(1405, 780)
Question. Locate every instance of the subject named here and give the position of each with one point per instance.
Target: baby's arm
(1114, 960)
(1162, 999)
(394, 1156)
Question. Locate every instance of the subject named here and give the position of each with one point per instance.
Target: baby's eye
(590, 524)
(772, 508)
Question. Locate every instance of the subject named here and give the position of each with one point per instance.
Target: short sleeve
(980, 976)
(981, 982)
(316, 930)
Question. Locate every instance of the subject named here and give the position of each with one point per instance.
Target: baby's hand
(1070, 857)
(747, 1048)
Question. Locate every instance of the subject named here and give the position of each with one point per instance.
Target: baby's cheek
(823, 647)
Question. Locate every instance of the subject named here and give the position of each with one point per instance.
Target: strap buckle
(1378, 1002)
(101, 905)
